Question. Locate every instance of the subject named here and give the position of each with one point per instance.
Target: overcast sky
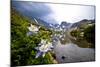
(55, 13)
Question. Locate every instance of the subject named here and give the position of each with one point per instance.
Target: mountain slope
(22, 46)
(82, 23)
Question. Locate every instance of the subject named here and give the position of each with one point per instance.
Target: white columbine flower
(33, 28)
(44, 48)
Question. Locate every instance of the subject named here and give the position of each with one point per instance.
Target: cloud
(54, 13)
(72, 13)
(31, 9)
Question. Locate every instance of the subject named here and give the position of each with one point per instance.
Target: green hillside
(22, 46)
(85, 35)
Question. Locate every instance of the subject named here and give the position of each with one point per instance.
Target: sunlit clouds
(72, 13)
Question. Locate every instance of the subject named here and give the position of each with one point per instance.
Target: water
(72, 53)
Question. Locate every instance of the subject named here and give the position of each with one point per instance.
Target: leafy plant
(22, 46)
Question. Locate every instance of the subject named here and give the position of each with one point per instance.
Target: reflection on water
(72, 53)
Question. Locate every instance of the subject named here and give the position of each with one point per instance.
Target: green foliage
(87, 39)
(89, 34)
(22, 46)
(75, 33)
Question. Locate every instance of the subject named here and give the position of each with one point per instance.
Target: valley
(35, 41)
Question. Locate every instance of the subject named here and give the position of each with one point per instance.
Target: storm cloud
(34, 10)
